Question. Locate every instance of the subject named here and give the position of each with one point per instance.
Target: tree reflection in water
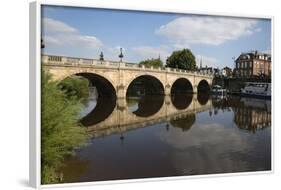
(184, 123)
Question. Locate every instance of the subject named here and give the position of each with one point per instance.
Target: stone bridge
(122, 119)
(115, 77)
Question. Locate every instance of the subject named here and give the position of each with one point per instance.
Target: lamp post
(121, 55)
(42, 44)
(101, 57)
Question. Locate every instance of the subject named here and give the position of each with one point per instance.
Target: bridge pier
(167, 90)
(195, 89)
(121, 91)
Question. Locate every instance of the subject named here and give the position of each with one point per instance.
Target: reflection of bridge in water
(122, 119)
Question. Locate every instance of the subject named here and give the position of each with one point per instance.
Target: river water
(141, 137)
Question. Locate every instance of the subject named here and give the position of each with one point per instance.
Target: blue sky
(85, 32)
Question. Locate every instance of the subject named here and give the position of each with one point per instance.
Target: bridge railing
(74, 61)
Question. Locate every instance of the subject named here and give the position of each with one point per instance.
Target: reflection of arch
(106, 100)
(181, 101)
(145, 85)
(149, 105)
(103, 109)
(181, 86)
(203, 98)
(203, 86)
(184, 123)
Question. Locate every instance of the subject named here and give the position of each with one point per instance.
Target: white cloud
(58, 33)
(209, 61)
(148, 52)
(206, 30)
(53, 26)
(202, 149)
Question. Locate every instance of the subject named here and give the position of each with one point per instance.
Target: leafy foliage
(183, 59)
(75, 86)
(152, 62)
(61, 131)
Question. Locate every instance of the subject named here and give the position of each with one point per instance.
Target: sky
(86, 32)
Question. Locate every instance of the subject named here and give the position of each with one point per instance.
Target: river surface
(156, 136)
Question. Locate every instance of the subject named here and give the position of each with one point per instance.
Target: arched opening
(101, 101)
(103, 86)
(203, 92)
(145, 96)
(181, 93)
(203, 87)
(182, 86)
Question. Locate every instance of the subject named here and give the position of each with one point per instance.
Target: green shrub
(61, 131)
(75, 86)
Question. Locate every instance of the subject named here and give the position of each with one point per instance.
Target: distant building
(206, 70)
(253, 64)
(227, 72)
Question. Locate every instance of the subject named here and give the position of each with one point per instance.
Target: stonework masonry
(119, 74)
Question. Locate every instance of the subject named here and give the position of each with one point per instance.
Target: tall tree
(183, 59)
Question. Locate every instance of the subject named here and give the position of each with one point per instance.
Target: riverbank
(234, 85)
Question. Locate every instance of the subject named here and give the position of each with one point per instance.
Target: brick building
(227, 72)
(253, 64)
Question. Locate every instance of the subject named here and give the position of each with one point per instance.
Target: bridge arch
(203, 86)
(203, 92)
(144, 84)
(144, 87)
(181, 86)
(102, 92)
(104, 86)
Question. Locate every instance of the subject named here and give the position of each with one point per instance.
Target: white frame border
(35, 90)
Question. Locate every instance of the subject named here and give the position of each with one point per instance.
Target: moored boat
(218, 90)
(257, 89)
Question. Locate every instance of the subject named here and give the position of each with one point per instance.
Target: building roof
(252, 55)
(227, 68)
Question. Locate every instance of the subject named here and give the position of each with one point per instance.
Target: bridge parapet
(74, 61)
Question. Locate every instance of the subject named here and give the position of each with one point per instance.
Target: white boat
(257, 89)
(218, 90)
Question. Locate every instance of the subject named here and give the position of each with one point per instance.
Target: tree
(61, 131)
(152, 62)
(183, 59)
(76, 86)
